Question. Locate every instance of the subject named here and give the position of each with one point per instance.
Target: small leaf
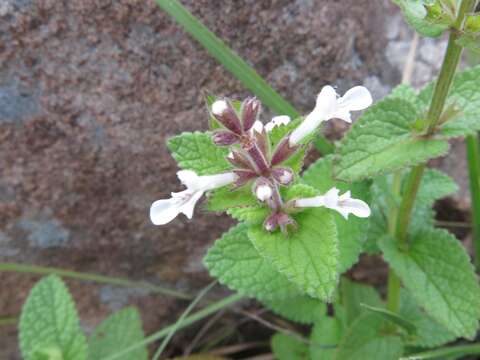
(437, 272)
(364, 340)
(308, 257)
(49, 323)
(392, 317)
(302, 309)
(120, 331)
(225, 198)
(382, 141)
(324, 339)
(236, 263)
(353, 294)
(352, 233)
(196, 151)
(288, 348)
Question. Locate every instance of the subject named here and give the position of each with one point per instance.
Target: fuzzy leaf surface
(382, 141)
(49, 322)
(324, 339)
(118, 332)
(196, 151)
(352, 233)
(302, 309)
(235, 262)
(417, 16)
(286, 347)
(308, 256)
(363, 340)
(438, 273)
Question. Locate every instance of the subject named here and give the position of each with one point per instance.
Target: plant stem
(446, 352)
(440, 92)
(473, 158)
(199, 315)
(40, 270)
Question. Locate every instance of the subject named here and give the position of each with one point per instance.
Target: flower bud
(224, 138)
(283, 176)
(227, 116)
(263, 189)
(250, 111)
(240, 160)
(243, 177)
(283, 151)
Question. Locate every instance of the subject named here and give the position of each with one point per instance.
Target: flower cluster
(256, 164)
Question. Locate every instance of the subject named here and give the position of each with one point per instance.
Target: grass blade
(235, 64)
(446, 352)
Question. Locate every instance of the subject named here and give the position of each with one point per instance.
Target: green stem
(235, 64)
(199, 315)
(40, 270)
(446, 352)
(473, 158)
(440, 93)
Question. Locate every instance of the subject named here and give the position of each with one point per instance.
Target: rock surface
(91, 89)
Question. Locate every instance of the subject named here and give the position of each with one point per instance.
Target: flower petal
(326, 101)
(188, 207)
(316, 201)
(356, 207)
(189, 178)
(163, 211)
(357, 98)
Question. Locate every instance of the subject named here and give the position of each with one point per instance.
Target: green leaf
(236, 263)
(438, 273)
(302, 309)
(48, 353)
(364, 340)
(120, 331)
(288, 348)
(225, 198)
(392, 317)
(429, 332)
(407, 93)
(232, 62)
(429, 21)
(382, 141)
(308, 257)
(196, 151)
(325, 336)
(435, 185)
(353, 294)
(464, 96)
(49, 320)
(352, 233)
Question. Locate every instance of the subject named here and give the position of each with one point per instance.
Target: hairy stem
(40, 270)
(440, 93)
(473, 158)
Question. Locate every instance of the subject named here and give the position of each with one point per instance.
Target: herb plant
(301, 228)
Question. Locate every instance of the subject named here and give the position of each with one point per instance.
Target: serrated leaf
(408, 93)
(463, 95)
(224, 198)
(429, 332)
(364, 340)
(417, 16)
(309, 256)
(352, 233)
(196, 151)
(382, 141)
(236, 263)
(286, 347)
(302, 309)
(118, 332)
(437, 272)
(324, 339)
(49, 320)
(353, 294)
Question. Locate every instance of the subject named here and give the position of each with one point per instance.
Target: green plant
(299, 230)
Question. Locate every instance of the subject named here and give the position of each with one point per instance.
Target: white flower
(277, 121)
(257, 126)
(329, 106)
(263, 192)
(165, 210)
(344, 204)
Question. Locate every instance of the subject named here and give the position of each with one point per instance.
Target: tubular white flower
(329, 106)
(263, 192)
(165, 210)
(344, 204)
(277, 121)
(257, 126)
